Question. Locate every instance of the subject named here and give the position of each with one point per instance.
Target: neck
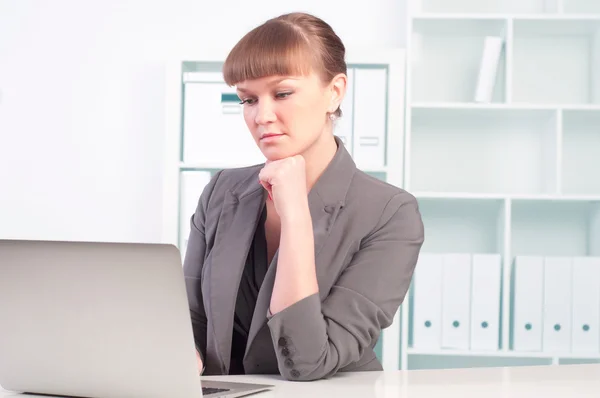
(318, 157)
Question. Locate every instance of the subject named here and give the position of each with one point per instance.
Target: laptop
(92, 319)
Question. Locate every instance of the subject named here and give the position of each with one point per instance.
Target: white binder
(485, 302)
(488, 68)
(214, 130)
(585, 336)
(556, 335)
(528, 297)
(427, 302)
(192, 183)
(370, 103)
(343, 126)
(456, 300)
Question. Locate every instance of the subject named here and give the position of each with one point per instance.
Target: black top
(252, 278)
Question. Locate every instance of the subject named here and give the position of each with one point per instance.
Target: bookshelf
(205, 132)
(517, 174)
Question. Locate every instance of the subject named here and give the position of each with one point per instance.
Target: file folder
(556, 336)
(485, 301)
(456, 301)
(427, 302)
(370, 114)
(214, 129)
(528, 298)
(585, 337)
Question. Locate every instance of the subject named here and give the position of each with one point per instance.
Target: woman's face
(288, 114)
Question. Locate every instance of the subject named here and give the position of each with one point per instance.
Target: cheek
(249, 117)
(301, 118)
(293, 119)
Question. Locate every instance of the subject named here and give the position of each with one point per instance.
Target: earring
(332, 116)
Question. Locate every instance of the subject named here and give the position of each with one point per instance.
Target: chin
(274, 153)
(272, 156)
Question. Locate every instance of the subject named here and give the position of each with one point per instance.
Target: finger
(265, 185)
(263, 175)
(269, 188)
(266, 173)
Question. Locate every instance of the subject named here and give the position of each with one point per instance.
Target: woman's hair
(290, 44)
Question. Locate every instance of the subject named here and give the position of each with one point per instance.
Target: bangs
(271, 49)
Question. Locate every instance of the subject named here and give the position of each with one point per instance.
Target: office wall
(81, 102)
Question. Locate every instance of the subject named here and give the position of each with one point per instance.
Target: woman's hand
(285, 180)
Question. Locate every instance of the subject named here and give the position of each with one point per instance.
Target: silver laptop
(99, 320)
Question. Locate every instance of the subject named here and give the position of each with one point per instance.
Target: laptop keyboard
(210, 390)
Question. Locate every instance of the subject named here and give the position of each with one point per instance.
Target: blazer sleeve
(315, 339)
(193, 264)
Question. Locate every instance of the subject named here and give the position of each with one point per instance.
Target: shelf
(555, 228)
(478, 18)
(374, 170)
(378, 172)
(462, 225)
(446, 58)
(509, 354)
(440, 17)
(499, 196)
(518, 175)
(556, 61)
(455, 362)
(503, 106)
(465, 116)
(458, 195)
(581, 6)
(488, 6)
(210, 165)
(574, 18)
(556, 27)
(581, 152)
(483, 151)
(555, 198)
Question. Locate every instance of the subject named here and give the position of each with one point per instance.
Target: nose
(265, 112)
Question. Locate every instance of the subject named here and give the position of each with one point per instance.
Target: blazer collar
(333, 184)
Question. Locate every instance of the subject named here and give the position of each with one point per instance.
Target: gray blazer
(368, 235)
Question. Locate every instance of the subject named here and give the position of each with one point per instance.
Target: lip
(270, 136)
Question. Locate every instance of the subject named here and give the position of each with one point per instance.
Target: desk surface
(539, 381)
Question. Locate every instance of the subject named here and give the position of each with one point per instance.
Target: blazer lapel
(259, 317)
(234, 236)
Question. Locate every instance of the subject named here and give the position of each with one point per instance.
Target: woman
(296, 265)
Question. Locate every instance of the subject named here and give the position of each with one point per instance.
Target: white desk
(517, 382)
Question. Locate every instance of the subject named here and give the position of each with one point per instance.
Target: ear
(337, 89)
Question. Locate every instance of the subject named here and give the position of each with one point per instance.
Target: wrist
(295, 215)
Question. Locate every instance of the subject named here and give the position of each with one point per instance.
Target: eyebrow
(273, 83)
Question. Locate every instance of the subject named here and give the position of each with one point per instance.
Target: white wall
(81, 102)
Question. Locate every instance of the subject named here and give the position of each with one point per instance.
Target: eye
(248, 101)
(283, 95)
